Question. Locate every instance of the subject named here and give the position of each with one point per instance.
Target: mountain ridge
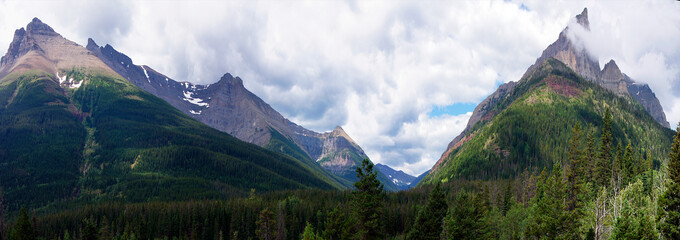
(229, 107)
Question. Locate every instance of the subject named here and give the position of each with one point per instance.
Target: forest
(600, 191)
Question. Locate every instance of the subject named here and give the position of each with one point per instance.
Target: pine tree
(628, 166)
(309, 233)
(590, 158)
(266, 225)
(466, 220)
(89, 230)
(574, 174)
(635, 221)
(549, 216)
(602, 169)
(428, 224)
(616, 166)
(669, 202)
(367, 201)
(338, 224)
(23, 229)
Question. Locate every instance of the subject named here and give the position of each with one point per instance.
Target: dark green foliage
(309, 233)
(338, 224)
(89, 230)
(367, 202)
(629, 166)
(549, 215)
(602, 168)
(589, 155)
(266, 225)
(616, 173)
(429, 222)
(466, 220)
(109, 140)
(575, 174)
(669, 202)
(636, 220)
(23, 230)
(529, 128)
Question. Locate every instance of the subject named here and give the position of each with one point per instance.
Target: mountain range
(229, 107)
(73, 129)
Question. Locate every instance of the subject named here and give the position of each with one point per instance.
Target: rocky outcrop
(39, 47)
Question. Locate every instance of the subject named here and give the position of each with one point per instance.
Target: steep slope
(229, 107)
(501, 126)
(399, 178)
(72, 129)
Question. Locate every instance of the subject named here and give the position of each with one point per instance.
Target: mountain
(419, 178)
(229, 107)
(72, 129)
(399, 178)
(526, 125)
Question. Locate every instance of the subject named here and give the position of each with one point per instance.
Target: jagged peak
(227, 78)
(611, 72)
(91, 44)
(582, 19)
(38, 27)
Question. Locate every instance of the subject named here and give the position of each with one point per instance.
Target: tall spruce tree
(602, 169)
(428, 223)
(669, 201)
(23, 230)
(266, 225)
(367, 200)
(574, 185)
(549, 218)
(616, 175)
(466, 220)
(628, 166)
(589, 154)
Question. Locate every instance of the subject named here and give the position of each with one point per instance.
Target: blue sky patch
(453, 109)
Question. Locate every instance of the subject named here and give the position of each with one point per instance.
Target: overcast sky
(401, 77)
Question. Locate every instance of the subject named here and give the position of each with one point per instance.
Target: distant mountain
(229, 107)
(418, 179)
(399, 178)
(73, 129)
(525, 125)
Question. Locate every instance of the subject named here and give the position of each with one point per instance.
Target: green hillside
(530, 128)
(109, 139)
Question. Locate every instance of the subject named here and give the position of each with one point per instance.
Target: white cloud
(376, 68)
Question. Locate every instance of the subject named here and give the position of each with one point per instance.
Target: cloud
(376, 68)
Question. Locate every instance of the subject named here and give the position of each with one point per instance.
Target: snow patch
(194, 112)
(192, 100)
(61, 79)
(147, 75)
(75, 85)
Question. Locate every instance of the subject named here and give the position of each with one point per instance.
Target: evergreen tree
(669, 202)
(574, 174)
(628, 166)
(309, 233)
(89, 230)
(635, 221)
(507, 199)
(266, 225)
(428, 224)
(616, 166)
(548, 220)
(367, 201)
(338, 224)
(590, 158)
(23, 229)
(602, 169)
(466, 220)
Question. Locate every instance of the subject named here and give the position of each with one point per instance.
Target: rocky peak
(582, 19)
(339, 132)
(611, 72)
(91, 44)
(38, 27)
(231, 81)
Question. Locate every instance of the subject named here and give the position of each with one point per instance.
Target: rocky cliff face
(229, 107)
